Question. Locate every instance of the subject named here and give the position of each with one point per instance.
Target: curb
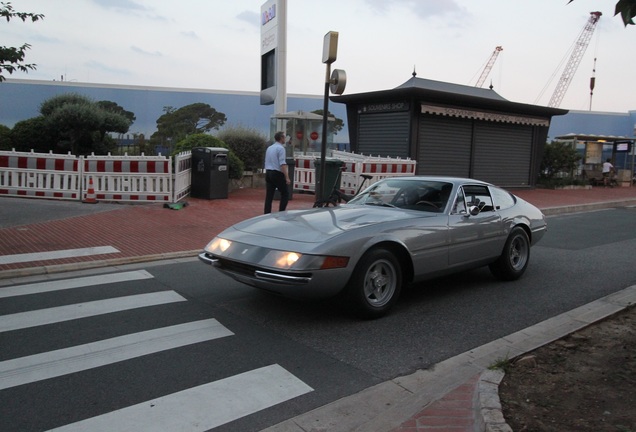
(578, 208)
(85, 265)
(489, 414)
(385, 406)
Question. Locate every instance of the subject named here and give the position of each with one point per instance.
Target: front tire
(515, 256)
(375, 284)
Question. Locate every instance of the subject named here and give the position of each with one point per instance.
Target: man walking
(276, 173)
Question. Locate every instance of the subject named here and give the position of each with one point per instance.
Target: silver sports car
(396, 231)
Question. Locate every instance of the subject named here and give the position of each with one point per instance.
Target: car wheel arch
(525, 227)
(521, 223)
(401, 253)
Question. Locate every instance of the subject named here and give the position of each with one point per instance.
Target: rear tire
(375, 284)
(515, 256)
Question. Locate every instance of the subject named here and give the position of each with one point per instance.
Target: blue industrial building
(20, 99)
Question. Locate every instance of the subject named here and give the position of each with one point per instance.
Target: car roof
(449, 179)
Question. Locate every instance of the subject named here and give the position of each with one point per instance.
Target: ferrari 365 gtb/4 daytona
(396, 231)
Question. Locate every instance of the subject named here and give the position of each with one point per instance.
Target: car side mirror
(473, 210)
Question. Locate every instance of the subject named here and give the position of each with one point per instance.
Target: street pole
(323, 145)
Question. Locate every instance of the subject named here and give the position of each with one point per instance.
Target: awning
(484, 115)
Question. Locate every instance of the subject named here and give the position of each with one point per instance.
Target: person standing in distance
(276, 173)
(608, 169)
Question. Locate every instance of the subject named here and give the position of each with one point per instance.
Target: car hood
(317, 225)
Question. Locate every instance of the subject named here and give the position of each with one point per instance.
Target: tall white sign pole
(274, 55)
(280, 104)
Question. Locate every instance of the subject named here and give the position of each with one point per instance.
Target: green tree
(81, 125)
(5, 138)
(558, 157)
(12, 58)
(177, 124)
(626, 9)
(33, 134)
(235, 165)
(115, 119)
(248, 145)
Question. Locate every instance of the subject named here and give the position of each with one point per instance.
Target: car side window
(503, 199)
(477, 195)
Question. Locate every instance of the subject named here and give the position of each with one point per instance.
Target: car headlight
(281, 259)
(286, 260)
(218, 245)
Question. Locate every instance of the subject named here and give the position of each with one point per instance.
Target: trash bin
(291, 163)
(209, 173)
(333, 168)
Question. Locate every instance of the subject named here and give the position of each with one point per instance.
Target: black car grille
(236, 267)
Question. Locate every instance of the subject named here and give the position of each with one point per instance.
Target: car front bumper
(316, 284)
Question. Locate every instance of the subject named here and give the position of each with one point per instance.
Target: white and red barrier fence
(354, 165)
(40, 175)
(182, 174)
(151, 178)
(114, 178)
(129, 178)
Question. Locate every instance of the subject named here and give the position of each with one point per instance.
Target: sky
(215, 45)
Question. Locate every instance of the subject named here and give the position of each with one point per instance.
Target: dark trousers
(275, 180)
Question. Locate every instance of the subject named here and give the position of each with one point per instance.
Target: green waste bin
(333, 169)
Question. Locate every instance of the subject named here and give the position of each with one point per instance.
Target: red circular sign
(314, 136)
(299, 135)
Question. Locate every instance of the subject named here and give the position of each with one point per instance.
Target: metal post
(323, 145)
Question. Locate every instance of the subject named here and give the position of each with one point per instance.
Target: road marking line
(59, 285)
(40, 317)
(203, 407)
(45, 256)
(65, 361)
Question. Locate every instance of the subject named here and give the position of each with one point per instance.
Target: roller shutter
(503, 153)
(444, 146)
(384, 134)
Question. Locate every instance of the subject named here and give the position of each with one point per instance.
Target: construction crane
(575, 58)
(486, 71)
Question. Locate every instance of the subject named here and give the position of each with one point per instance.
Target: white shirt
(275, 156)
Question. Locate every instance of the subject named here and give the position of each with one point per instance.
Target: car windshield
(421, 195)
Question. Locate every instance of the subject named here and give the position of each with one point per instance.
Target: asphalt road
(583, 257)
(23, 211)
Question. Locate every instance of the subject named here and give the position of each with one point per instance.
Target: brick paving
(137, 230)
(455, 412)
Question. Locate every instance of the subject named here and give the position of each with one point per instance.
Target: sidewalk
(458, 395)
(146, 232)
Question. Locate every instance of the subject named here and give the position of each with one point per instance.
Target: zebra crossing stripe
(67, 253)
(60, 362)
(40, 317)
(59, 285)
(203, 407)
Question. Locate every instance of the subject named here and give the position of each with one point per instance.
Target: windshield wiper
(381, 204)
